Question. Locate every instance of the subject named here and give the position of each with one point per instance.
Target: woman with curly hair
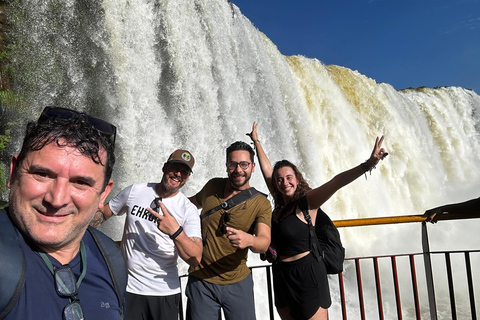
(300, 281)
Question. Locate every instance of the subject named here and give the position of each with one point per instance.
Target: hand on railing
(470, 208)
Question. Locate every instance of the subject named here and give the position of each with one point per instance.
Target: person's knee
(284, 313)
(198, 310)
(321, 314)
(200, 302)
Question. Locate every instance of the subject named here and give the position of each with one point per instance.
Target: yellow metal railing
(398, 219)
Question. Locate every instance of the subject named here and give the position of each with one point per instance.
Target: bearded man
(223, 279)
(161, 224)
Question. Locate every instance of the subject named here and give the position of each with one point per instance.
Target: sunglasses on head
(103, 126)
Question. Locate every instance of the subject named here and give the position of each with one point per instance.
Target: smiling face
(286, 182)
(238, 177)
(175, 175)
(55, 193)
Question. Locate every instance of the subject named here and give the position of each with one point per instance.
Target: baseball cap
(182, 156)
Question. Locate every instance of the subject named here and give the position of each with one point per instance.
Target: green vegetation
(13, 111)
(12, 115)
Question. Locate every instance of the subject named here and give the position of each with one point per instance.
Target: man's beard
(168, 188)
(236, 185)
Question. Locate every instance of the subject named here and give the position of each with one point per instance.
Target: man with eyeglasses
(222, 280)
(57, 182)
(161, 224)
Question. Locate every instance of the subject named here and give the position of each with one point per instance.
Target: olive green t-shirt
(221, 263)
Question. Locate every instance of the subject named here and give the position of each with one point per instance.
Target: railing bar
(408, 254)
(415, 287)
(454, 251)
(379, 288)
(427, 261)
(451, 290)
(360, 289)
(400, 219)
(397, 288)
(470, 286)
(342, 295)
(180, 306)
(269, 292)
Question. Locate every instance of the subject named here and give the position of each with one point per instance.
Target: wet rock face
(4, 81)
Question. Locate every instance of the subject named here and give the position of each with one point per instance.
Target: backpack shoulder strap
(12, 265)
(314, 245)
(235, 200)
(115, 262)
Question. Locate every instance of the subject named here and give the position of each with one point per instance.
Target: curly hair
(74, 132)
(280, 208)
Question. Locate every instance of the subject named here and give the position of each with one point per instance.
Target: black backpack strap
(314, 245)
(233, 201)
(115, 262)
(12, 265)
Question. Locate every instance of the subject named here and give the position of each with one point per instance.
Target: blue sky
(409, 43)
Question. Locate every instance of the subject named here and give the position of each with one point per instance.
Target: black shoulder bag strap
(115, 263)
(12, 265)
(241, 197)
(314, 245)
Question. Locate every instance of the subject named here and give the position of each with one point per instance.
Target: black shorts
(152, 307)
(302, 286)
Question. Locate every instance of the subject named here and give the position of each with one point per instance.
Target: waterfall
(195, 74)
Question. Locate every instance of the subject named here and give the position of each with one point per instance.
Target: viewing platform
(422, 285)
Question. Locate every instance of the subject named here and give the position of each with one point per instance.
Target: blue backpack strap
(12, 265)
(115, 262)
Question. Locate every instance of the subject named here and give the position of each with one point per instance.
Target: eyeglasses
(223, 222)
(155, 205)
(243, 165)
(66, 286)
(103, 126)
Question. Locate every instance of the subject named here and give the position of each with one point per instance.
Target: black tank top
(290, 236)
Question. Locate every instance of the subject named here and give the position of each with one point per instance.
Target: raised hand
(253, 135)
(378, 152)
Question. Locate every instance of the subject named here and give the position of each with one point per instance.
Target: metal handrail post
(428, 272)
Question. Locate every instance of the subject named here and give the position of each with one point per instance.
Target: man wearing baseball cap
(161, 224)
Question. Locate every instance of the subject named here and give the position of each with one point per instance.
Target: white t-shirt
(151, 255)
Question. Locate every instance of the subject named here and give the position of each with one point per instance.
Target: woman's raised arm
(316, 197)
(265, 164)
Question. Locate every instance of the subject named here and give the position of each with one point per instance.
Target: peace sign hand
(166, 222)
(378, 152)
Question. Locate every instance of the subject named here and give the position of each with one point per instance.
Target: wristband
(173, 236)
(366, 167)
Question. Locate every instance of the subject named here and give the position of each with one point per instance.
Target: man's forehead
(242, 154)
(57, 155)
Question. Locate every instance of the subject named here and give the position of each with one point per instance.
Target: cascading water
(196, 74)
